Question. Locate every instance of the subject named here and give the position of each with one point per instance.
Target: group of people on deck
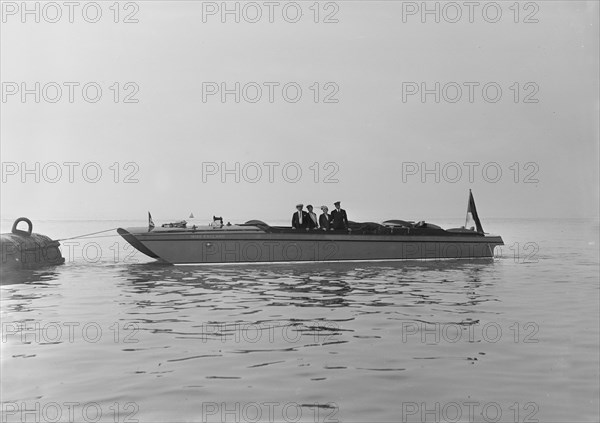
(337, 220)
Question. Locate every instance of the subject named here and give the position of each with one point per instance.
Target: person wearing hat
(300, 218)
(324, 219)
(313, 221)
(338, 218)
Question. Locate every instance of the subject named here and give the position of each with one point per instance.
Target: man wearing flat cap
(300, 218)
(338, 217)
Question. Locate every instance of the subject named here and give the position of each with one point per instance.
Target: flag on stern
(472, 212)
(150, 222)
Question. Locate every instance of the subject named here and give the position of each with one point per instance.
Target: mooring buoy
(23, 249)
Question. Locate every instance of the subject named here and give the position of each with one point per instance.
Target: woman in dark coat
(324, 219)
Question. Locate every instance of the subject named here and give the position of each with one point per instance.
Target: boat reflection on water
(29, 276)
(311, 304)
(313, 285)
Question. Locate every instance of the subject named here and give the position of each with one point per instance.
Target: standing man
(324, 219)
(313, 222)
(338, 219)
(300, 218)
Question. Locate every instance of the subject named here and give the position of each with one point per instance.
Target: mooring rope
(86, 235)
(102, 236)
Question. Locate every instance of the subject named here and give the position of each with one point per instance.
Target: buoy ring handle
(20, 232)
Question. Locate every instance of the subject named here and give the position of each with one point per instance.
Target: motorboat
(257, 242)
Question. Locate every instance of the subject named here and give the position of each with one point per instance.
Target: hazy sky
(376, 140)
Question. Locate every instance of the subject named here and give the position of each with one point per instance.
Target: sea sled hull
(251, 245)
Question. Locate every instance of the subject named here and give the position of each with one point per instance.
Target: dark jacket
(313, 224)
(339, 219)
(296, 221)
(324, 221)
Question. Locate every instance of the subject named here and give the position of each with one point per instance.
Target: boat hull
(251, 245)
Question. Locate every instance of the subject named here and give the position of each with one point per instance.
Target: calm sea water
(110, 336)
